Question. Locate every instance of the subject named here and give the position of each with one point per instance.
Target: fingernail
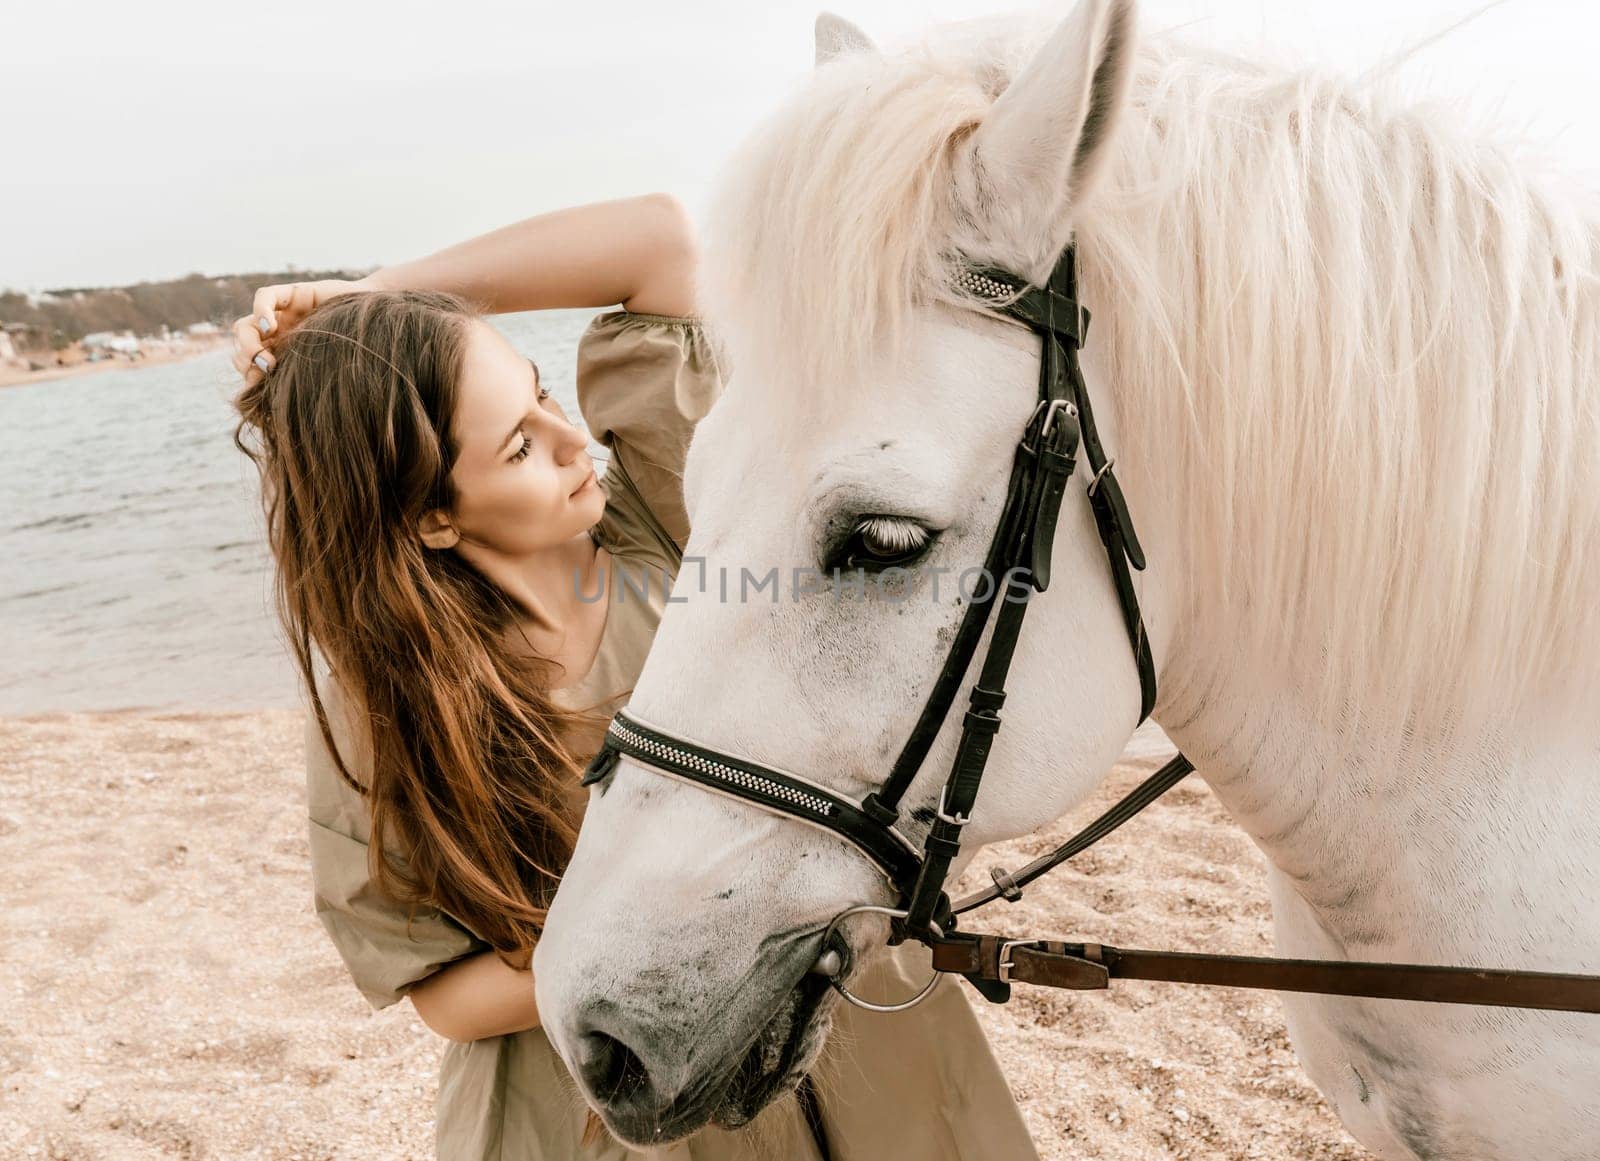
(263, 324)
(262, 361)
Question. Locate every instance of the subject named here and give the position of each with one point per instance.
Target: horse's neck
(1332, 813)
(1367, 819)
(1340, 802)
(1400, 847)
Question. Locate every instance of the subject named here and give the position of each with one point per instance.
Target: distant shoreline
(192, 348)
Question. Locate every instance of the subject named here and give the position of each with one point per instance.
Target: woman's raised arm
(639, 252)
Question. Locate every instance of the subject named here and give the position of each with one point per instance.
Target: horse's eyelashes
(892, 534)
(877, 542)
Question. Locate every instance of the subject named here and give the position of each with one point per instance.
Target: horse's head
(871, 421)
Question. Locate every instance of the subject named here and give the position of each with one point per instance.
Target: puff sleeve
(644, 381)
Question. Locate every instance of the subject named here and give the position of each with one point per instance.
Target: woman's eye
(522, 452)
(544, 393)
(881, 542)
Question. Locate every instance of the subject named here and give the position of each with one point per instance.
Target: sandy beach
(166, 991)
(16, 375)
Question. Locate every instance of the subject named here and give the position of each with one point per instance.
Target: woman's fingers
(246, 343)
(250, 358)
(274, 311)
(269, 300)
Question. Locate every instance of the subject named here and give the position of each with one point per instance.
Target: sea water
(134, 571)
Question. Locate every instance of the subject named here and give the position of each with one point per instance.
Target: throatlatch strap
(1009, 886)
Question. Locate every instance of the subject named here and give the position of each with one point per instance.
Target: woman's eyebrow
(536, 375)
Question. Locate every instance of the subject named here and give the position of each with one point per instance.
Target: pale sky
(146, 141)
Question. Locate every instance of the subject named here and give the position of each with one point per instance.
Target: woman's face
(523, 478)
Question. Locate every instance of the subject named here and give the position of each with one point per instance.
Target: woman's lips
(587, 480)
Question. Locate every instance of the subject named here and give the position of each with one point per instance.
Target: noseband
(1060, 427)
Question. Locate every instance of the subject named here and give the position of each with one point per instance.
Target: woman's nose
(571, 440)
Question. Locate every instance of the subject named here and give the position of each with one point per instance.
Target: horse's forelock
(836, 219)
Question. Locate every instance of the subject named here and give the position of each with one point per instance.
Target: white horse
(1348, 360)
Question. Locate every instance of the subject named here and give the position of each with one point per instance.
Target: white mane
(1362, 346)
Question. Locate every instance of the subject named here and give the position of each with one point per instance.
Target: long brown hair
(470, 773)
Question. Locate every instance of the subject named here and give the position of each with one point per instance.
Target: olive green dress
(920, 1085)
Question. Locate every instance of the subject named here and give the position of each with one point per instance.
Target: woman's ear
(436, 530)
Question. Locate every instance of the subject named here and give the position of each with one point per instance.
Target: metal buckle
(1104, 468)
(1052, 408)
(1057, 406)
(1005, 963)
(943, 812)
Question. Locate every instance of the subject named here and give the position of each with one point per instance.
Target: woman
(442, 541)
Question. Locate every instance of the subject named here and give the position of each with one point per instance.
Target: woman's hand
(277, 310)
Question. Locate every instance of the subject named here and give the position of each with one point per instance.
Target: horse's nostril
(611, 1069)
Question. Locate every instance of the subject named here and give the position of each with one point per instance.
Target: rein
(1060, 427)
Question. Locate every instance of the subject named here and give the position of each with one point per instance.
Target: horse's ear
(1047, 136)
(837, 36)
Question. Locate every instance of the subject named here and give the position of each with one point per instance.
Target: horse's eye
(881, 542)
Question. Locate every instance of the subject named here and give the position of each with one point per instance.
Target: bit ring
(859, 1002)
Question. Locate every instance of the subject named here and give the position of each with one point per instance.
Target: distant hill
(58, 318)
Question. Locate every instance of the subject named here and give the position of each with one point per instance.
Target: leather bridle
(1060, 427)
